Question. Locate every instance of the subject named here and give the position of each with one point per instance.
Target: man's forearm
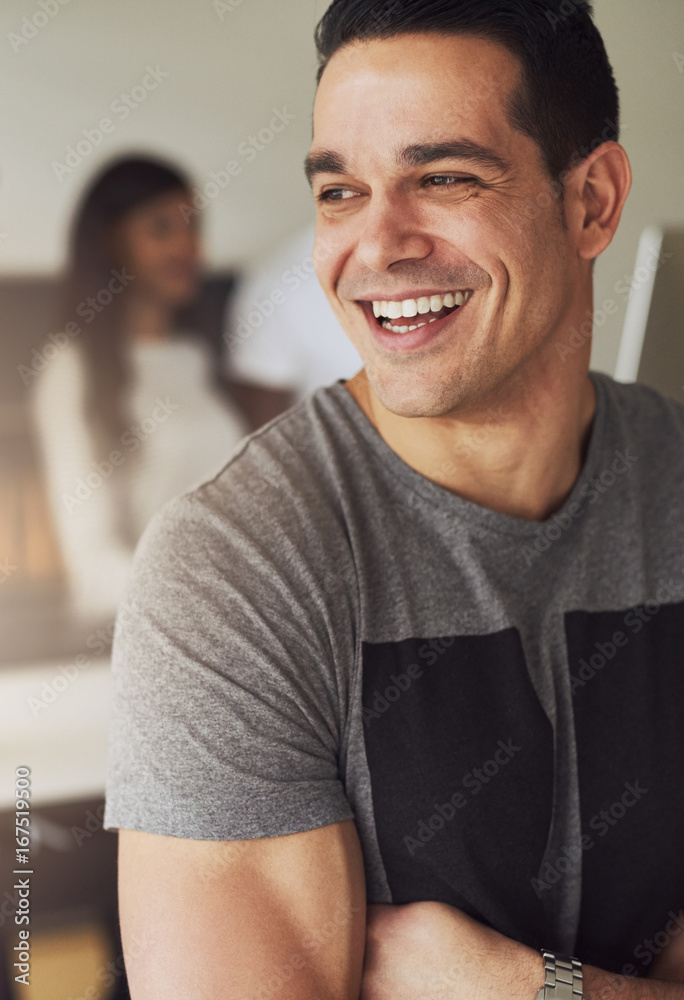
(600, 985)
(432, 949)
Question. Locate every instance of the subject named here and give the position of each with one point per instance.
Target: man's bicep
(267, 918)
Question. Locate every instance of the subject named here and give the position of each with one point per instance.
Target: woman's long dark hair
(123, 185)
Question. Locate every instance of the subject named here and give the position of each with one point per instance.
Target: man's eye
(335, 194)
(446, 180)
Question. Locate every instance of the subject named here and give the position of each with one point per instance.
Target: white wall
(645, 42)
(227, 71)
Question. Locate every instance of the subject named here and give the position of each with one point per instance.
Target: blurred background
(205, 112)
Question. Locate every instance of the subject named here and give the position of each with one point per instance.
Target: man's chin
(411, 396)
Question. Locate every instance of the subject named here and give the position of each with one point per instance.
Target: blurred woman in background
(128, 413)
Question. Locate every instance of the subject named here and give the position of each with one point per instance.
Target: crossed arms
(286, 917)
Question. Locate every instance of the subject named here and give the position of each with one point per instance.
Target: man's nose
(391, 233)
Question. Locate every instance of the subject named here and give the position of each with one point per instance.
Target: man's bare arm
(432, 949)
(600, 985)
(665, 979)
(230, 920)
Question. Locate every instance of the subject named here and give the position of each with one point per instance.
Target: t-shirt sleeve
(226, 712)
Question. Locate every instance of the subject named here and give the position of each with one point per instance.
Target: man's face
(404, 226)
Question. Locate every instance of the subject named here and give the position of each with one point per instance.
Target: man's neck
(520, 455)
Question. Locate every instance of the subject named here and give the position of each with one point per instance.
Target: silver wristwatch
(563, 977)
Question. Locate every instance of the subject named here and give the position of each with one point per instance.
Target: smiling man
(399, 691)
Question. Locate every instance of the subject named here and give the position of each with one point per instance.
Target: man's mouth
(407, 315)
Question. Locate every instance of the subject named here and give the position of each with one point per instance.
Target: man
(418, 645)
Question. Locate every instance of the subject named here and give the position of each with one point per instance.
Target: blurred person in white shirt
(128, 413)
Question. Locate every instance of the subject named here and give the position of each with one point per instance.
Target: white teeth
(402, 329)
(407, 308)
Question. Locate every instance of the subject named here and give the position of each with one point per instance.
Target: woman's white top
(182, 431)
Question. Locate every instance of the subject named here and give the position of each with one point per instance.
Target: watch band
(563, 977)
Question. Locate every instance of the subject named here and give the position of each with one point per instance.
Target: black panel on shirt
(472, 707)
(629, 721)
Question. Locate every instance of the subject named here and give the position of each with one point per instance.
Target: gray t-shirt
(320, 633)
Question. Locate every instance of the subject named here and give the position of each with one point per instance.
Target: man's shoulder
(264, 539)
(280, 482)
(646, 411)
(294, 455)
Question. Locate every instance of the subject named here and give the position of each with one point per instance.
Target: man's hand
(428, 951)
(669, 962)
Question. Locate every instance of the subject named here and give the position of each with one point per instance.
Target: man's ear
(596, 191)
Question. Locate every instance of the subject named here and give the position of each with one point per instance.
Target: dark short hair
(568, 101)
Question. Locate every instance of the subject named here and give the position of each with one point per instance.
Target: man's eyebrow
(327, 161)
(423, 153)
(324, 161)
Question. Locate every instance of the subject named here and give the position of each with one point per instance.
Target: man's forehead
(428, 66)
(414, 85)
